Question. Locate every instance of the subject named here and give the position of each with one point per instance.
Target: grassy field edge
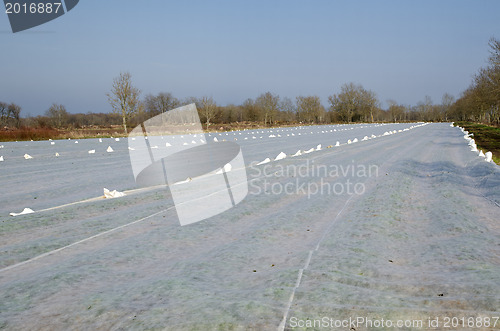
(487, 138)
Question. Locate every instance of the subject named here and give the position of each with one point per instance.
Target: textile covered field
(402, 225)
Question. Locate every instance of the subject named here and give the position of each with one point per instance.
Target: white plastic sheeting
(266, 160)
(280, 156)
(112, 194)
(488, 156)
(25, 211)
(187, 180)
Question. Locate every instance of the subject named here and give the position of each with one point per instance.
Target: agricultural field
(376, 221)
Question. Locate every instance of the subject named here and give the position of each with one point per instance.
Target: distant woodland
(480, 103)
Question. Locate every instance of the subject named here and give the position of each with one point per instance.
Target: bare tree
(15, 114)
(4, 113)
(124, 98)
(494, 51)
(287, 105)
(230, 113)
(346, 102)
(10, 114)
(58, 115)
(427, 108)
(446, 104)
(207, 109)
(309, 109)
(160, 103)
(269, 103)
(250, 110)
(369, 104)
(396, 111)
(288, 110)
(481, 101)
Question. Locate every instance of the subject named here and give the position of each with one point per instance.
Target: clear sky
(234, 50)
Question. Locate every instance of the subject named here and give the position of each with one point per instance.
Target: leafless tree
(309, 109)
(230, 113)
(4, 113)
(15, 114)
(10, 114)
(250, 110)
(481, 101)
(368, 104)
(58, 115)
(207, 109)
(160, 103)
(288, 110)
(347, 101)
(396, 111)
(446, 104)
(269, 104)
(494, 51)
(124, 98)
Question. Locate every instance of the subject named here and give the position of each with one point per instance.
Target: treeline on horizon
(480, 102)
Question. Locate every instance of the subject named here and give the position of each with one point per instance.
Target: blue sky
(234, 50)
